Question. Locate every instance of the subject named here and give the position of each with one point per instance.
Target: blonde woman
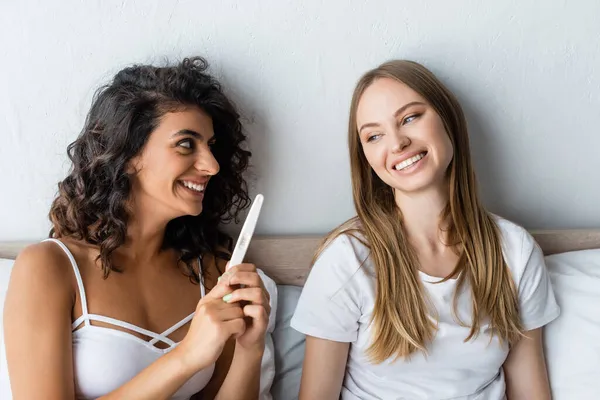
(424, 294)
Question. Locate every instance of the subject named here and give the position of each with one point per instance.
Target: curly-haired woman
(124, 301)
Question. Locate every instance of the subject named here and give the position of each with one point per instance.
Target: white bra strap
(155, 337)
(78, 321)
(84, 308)
(187, 319)
(201, 275)
(172, 329)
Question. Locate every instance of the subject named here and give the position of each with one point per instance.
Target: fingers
(252, 287)
(230, 313)
(248, 276)
(218, 309)
(251, 279)
(235, 327)
(221, 289)
(251, 295)
(259, 315)
(241, 267)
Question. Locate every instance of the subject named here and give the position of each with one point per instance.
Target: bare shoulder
(41, 258)
(42, 266)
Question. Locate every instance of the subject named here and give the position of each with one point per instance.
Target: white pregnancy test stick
(247, 231)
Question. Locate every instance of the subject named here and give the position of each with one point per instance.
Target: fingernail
(219, 279)
(227, 298)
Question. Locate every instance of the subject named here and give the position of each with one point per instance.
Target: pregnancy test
(247, 231)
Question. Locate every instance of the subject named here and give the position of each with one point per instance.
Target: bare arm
(323, 369)
(525, 369)
(37, 325)
(237, 373)
(243, 378)
(160, 380)
(221, 368)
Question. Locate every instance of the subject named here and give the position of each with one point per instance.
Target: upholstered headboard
(287, 258)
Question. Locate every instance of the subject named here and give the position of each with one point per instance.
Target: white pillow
(267, 370)
(572, 341)
(289, 346)
(5, 270)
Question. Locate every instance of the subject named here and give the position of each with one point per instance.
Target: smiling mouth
(410, 161)
(195, 188)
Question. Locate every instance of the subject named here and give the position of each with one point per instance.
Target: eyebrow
(398, 112)
(192, 133)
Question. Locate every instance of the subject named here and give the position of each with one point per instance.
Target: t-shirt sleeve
(537, 304)
(330, 304)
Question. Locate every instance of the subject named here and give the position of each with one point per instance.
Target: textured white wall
(527, 73)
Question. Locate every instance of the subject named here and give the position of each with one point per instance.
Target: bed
(572, 341)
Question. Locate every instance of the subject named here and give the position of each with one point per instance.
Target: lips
(198, 187)
(409, 161)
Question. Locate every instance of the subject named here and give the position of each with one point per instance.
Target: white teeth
(193, 186)
(408, 162)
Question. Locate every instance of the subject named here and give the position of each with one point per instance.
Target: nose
(400, 142)
(207, 163)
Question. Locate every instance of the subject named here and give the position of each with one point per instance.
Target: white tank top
(105, 359)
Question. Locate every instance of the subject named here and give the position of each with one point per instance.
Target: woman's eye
(186, 144)
(373, 138)
(410, 119)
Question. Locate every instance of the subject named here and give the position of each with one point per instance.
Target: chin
(417, 184)
(195, 212)
(188, 212)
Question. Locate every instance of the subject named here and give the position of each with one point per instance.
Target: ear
(134, 165)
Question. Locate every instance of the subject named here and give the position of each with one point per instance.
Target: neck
(145, 234)
(421, 216)
(144, 239)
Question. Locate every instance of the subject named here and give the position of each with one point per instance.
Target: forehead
(193, 119)
(382, 98)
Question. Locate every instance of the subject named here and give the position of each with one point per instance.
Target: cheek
(443, 144)
(160, 171)
(447, 150)
(375, 156)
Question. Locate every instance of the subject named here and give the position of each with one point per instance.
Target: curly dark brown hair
(91, 204)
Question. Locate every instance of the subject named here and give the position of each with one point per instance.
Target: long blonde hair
(401, 319)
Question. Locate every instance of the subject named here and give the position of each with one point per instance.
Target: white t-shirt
(338, 300)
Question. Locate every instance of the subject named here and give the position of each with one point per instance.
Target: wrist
(255, 350)
(186, 364)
